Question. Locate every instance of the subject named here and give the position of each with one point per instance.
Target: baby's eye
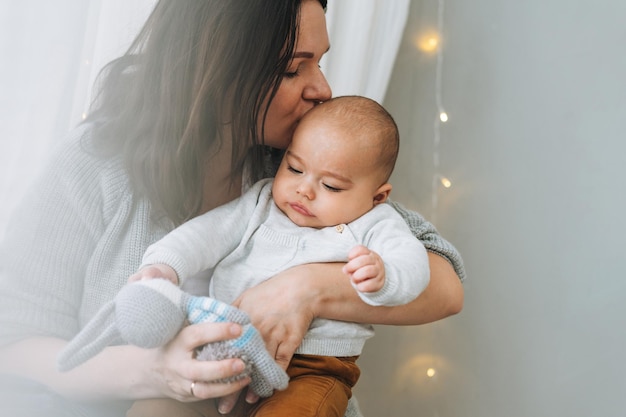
(331, 188)
(292, 169)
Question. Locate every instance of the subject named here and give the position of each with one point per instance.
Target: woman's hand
(281, 309)
(178, 369)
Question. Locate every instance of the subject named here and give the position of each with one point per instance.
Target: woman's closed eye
(292, 74)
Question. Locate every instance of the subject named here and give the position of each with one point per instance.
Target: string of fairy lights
(432, 43)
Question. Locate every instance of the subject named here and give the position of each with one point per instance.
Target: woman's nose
(318, 89)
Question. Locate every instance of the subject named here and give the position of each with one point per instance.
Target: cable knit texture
(72, 244)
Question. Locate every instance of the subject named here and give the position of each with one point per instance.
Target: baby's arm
(366, 269)
(404, 272)
(155, 271)
(203, 241)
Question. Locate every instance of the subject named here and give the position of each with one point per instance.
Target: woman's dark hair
(196, 67)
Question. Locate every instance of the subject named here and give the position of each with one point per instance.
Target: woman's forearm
(119, 372)
(128, 372)
(442, 298)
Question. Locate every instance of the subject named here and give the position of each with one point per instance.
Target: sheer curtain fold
(365, 36)
(52, 52)
(40, 44)
(114, 24)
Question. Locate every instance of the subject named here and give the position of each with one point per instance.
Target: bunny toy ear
(145, 313)
(150, 313)
(99, 333)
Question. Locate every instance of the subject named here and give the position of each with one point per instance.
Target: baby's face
(326, 178)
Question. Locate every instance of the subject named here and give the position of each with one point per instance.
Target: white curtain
(364, 37)
(52, 50)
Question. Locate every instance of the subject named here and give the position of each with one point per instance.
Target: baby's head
(338, 164)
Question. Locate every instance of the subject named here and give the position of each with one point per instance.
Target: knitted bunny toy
(150, 313)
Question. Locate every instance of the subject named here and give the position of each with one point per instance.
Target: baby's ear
(382, 193)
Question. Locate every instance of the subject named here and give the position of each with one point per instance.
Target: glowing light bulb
(446, 182)
(430, 372)
(84, 116)
(428, 42)
(443, 116)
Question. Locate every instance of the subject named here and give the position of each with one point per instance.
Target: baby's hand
(155, 271)
(366, 269)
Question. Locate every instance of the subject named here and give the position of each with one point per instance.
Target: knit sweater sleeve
(407, 272)
(48, 244)
(432, 240)
(202, 242)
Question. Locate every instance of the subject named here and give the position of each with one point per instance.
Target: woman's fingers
(181, 369)
(286, 349)
(282, 321)
(227, 403)
(197, 370)
(203, 390)
(251, 397)
(194, 336)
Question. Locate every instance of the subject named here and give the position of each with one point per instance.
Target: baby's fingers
(355, 264)
(357, 251)
(368, 285)
(363, 274)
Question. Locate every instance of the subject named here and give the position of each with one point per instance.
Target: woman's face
(303, 85)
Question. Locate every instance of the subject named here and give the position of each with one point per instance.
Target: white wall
(535, 149)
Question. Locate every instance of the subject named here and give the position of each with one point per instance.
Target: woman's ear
(382, 193)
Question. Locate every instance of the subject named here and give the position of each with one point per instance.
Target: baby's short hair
(371, 121)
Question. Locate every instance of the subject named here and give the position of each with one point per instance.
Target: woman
(183, 120)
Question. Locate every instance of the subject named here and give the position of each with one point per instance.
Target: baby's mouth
(301, 209)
